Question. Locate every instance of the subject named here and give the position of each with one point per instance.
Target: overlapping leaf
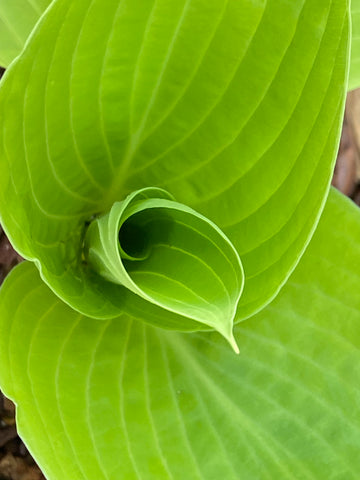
(17, 19)
(203, 99)
(119, 400)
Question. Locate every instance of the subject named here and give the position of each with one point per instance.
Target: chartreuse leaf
(17, 19)
(354, 75)
(169, 255)
(121, 400)
(232, 106)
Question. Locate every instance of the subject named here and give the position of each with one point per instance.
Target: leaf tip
(233, 344)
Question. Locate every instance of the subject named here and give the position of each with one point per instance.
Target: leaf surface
(354, 75)
(233, 107)
(17, 19)
(120, 400)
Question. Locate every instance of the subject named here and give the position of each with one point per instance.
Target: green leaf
(17, 19)
(354, 75)
(120, 400)
(234, 107)
(169, 255)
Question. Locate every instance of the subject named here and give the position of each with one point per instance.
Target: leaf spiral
(169, 255)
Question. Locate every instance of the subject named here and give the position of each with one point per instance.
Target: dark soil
(15, 461)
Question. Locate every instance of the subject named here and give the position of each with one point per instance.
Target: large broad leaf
(17, 19)
(118, 400)
(233, 107)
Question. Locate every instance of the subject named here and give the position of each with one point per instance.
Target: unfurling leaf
(234, 108)
(170, 255)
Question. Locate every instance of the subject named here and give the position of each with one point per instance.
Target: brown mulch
(347, 170)
(15, 461)
(8, 257)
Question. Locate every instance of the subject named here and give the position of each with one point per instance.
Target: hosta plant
(165, 171)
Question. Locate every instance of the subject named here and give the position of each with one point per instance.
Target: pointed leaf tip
(234, 344)
(227, 333)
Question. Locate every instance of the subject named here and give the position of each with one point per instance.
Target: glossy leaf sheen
(17, 19)
(118, 400)
(128, 95)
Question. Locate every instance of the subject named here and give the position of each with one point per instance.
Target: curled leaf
(169, 255)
